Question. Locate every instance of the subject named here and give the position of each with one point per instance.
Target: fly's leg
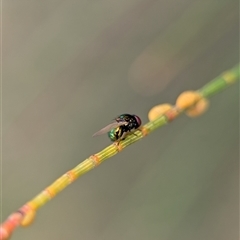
(123, 136)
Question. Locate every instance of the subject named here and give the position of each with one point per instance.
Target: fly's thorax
(123, 117)
(132, 122)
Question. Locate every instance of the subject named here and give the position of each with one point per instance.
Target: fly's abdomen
(115, 134)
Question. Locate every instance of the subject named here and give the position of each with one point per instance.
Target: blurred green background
(70, 67)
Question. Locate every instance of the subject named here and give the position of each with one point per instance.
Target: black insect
(121, 126)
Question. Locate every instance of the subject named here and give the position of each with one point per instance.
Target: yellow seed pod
(187, 99)
(199, 108)
(28, 218)
(193, 103)
(158, 110)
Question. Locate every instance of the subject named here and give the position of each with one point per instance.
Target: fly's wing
(109, 127)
